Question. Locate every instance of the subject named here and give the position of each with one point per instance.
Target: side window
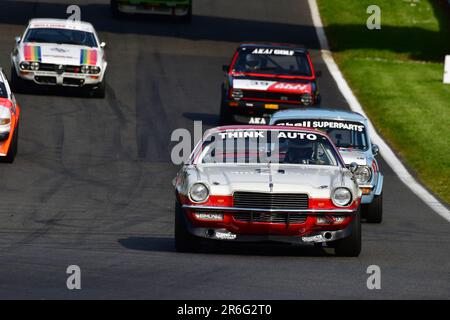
(3, 91)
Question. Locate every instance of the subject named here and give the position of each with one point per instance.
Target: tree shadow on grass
(416, 43)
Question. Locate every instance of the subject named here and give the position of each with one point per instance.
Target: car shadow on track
(166, 244)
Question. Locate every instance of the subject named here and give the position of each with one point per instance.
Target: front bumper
(376, 187)
(65, 79)
(232, 229)
(256, 112)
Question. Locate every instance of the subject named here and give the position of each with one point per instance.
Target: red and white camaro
(9, 121)
(267, 183)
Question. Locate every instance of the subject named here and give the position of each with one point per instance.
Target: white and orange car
(9, 121)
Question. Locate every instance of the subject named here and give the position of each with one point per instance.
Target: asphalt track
(91, 185)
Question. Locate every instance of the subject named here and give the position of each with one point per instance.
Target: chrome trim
(365, 186)
(187, 206)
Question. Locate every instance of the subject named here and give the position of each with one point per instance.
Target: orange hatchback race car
(9, 121)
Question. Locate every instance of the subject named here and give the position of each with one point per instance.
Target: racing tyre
(17, 84)
(115, 9)
(184, 241)
(374, 210)
(350, 246)
(188, 17)
(11, 155)
(100, 91)
(225, 116)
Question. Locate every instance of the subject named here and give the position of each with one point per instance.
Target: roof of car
(261, 127)
(273, 45)
(60, 23)
(319, 113)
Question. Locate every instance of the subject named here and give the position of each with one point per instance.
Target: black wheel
(225, 116)
(17, 84)
(188, 17)
(100, 91)
(12, 152)
(184, 241)
(374, 210)
(350, 246)
(115, 9)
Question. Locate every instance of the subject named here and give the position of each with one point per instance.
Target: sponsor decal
(88, 57)
(272, 86)
(60, 50)
(257, 120)
(324, 125)
(225, 235)
(278, 52)
(32, 53)
(290, 87)
(261, 134)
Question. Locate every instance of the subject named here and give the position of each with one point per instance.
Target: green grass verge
(396, 73)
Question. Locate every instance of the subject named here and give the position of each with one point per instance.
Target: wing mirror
(375, 149)
(103, 45)
(225, 68)
(17, 38)
(353, 167)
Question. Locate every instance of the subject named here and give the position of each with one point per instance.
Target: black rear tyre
(188, 17)
(12, 152)
(100, 91)
(350, 246)
(115, 9)
(226, 117)
(184, 241)
(374, 210)
(17, 84)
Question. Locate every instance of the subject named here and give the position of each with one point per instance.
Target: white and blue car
(349, 132)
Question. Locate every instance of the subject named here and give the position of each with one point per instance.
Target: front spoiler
(226, 235)
(222, 234)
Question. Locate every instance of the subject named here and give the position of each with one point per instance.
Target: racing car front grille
(295, 201)
(58, 68)
(282, 218)
(73, 82)
(255, 94)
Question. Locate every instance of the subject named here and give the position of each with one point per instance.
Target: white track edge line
(386, 152)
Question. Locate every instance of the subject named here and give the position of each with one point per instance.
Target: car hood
(317, 181)
(60, 54)
(351, 155)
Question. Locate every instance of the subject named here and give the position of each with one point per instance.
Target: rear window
(273, 61)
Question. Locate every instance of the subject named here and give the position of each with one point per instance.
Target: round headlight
(84, 69)
(363, 174)
(341, 197)
(24, 65)
(199, 192)
(35, 66)
(306, 99)
(237, 94)
(94, 69)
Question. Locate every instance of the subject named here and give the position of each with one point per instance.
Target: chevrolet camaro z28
(267, 183)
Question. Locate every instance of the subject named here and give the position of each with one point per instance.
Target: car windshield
(344, 134)
(267, 146)
(63, 36)
(274, 61)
